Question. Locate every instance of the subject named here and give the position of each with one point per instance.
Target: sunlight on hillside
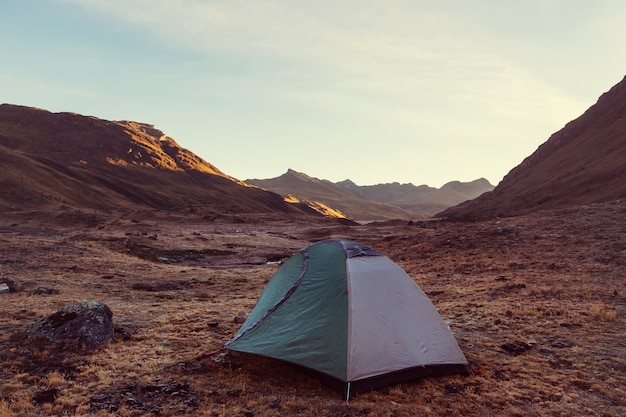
(325, 210)
(292, 199)
(118, 162)
(316, 206)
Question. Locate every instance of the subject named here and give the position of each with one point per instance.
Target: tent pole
(348, 395)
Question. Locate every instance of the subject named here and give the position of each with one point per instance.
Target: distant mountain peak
(348, 182)
(372, 202)
(300, 175)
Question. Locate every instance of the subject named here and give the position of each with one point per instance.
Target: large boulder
(90, 323)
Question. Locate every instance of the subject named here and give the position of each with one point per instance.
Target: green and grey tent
(353, 317)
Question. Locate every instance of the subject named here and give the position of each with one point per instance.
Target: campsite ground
(537, 304)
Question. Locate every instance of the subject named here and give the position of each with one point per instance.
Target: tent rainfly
(353, 317)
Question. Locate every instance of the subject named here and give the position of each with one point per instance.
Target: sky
(407, 91)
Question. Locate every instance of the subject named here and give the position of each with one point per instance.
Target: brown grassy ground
(552, 282)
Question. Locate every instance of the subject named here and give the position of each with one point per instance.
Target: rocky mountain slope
(382, 201)
(52, 159)
(585, 162)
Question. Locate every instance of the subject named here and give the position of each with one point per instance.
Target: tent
(351, 316)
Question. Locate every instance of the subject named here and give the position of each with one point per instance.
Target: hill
(304, 187)
(422, 198)
(583, 163)
(375, 202)
(53, 159)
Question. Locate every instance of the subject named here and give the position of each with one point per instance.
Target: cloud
(359, 49)
(482, 71)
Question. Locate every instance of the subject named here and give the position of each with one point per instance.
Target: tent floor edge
(406, 375)
(389, 379)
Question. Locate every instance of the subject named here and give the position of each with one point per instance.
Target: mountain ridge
(304, 187)
(374, 202)
(69, 159)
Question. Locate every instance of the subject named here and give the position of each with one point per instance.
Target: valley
(537, 303)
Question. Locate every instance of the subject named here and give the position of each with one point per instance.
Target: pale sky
(404, 91)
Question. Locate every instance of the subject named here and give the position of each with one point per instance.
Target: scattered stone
(11, 283)
(189, 367)
(213, 324)
(221, 358)
(241, 317)
(498, 373)
(98, 398)
(46, 290)
(90, 323)
(561, 344)
(47, 396)
(516, 348)
(4, 288)
(122, 333)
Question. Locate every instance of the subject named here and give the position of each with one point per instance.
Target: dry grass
(552, 283)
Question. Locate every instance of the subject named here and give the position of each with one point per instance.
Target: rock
(221, 358)
(46, 290)
(561, 344)
(4, 288)
(90, 323)
(12, 284)
(241, 317)
(516, 347)
(47, 396)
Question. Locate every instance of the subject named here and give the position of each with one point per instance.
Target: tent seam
(283, 299)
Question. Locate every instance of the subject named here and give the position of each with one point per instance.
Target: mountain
(57, 159)
(422, 198)
(375, 202)
(583, 163)
(301, 186)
